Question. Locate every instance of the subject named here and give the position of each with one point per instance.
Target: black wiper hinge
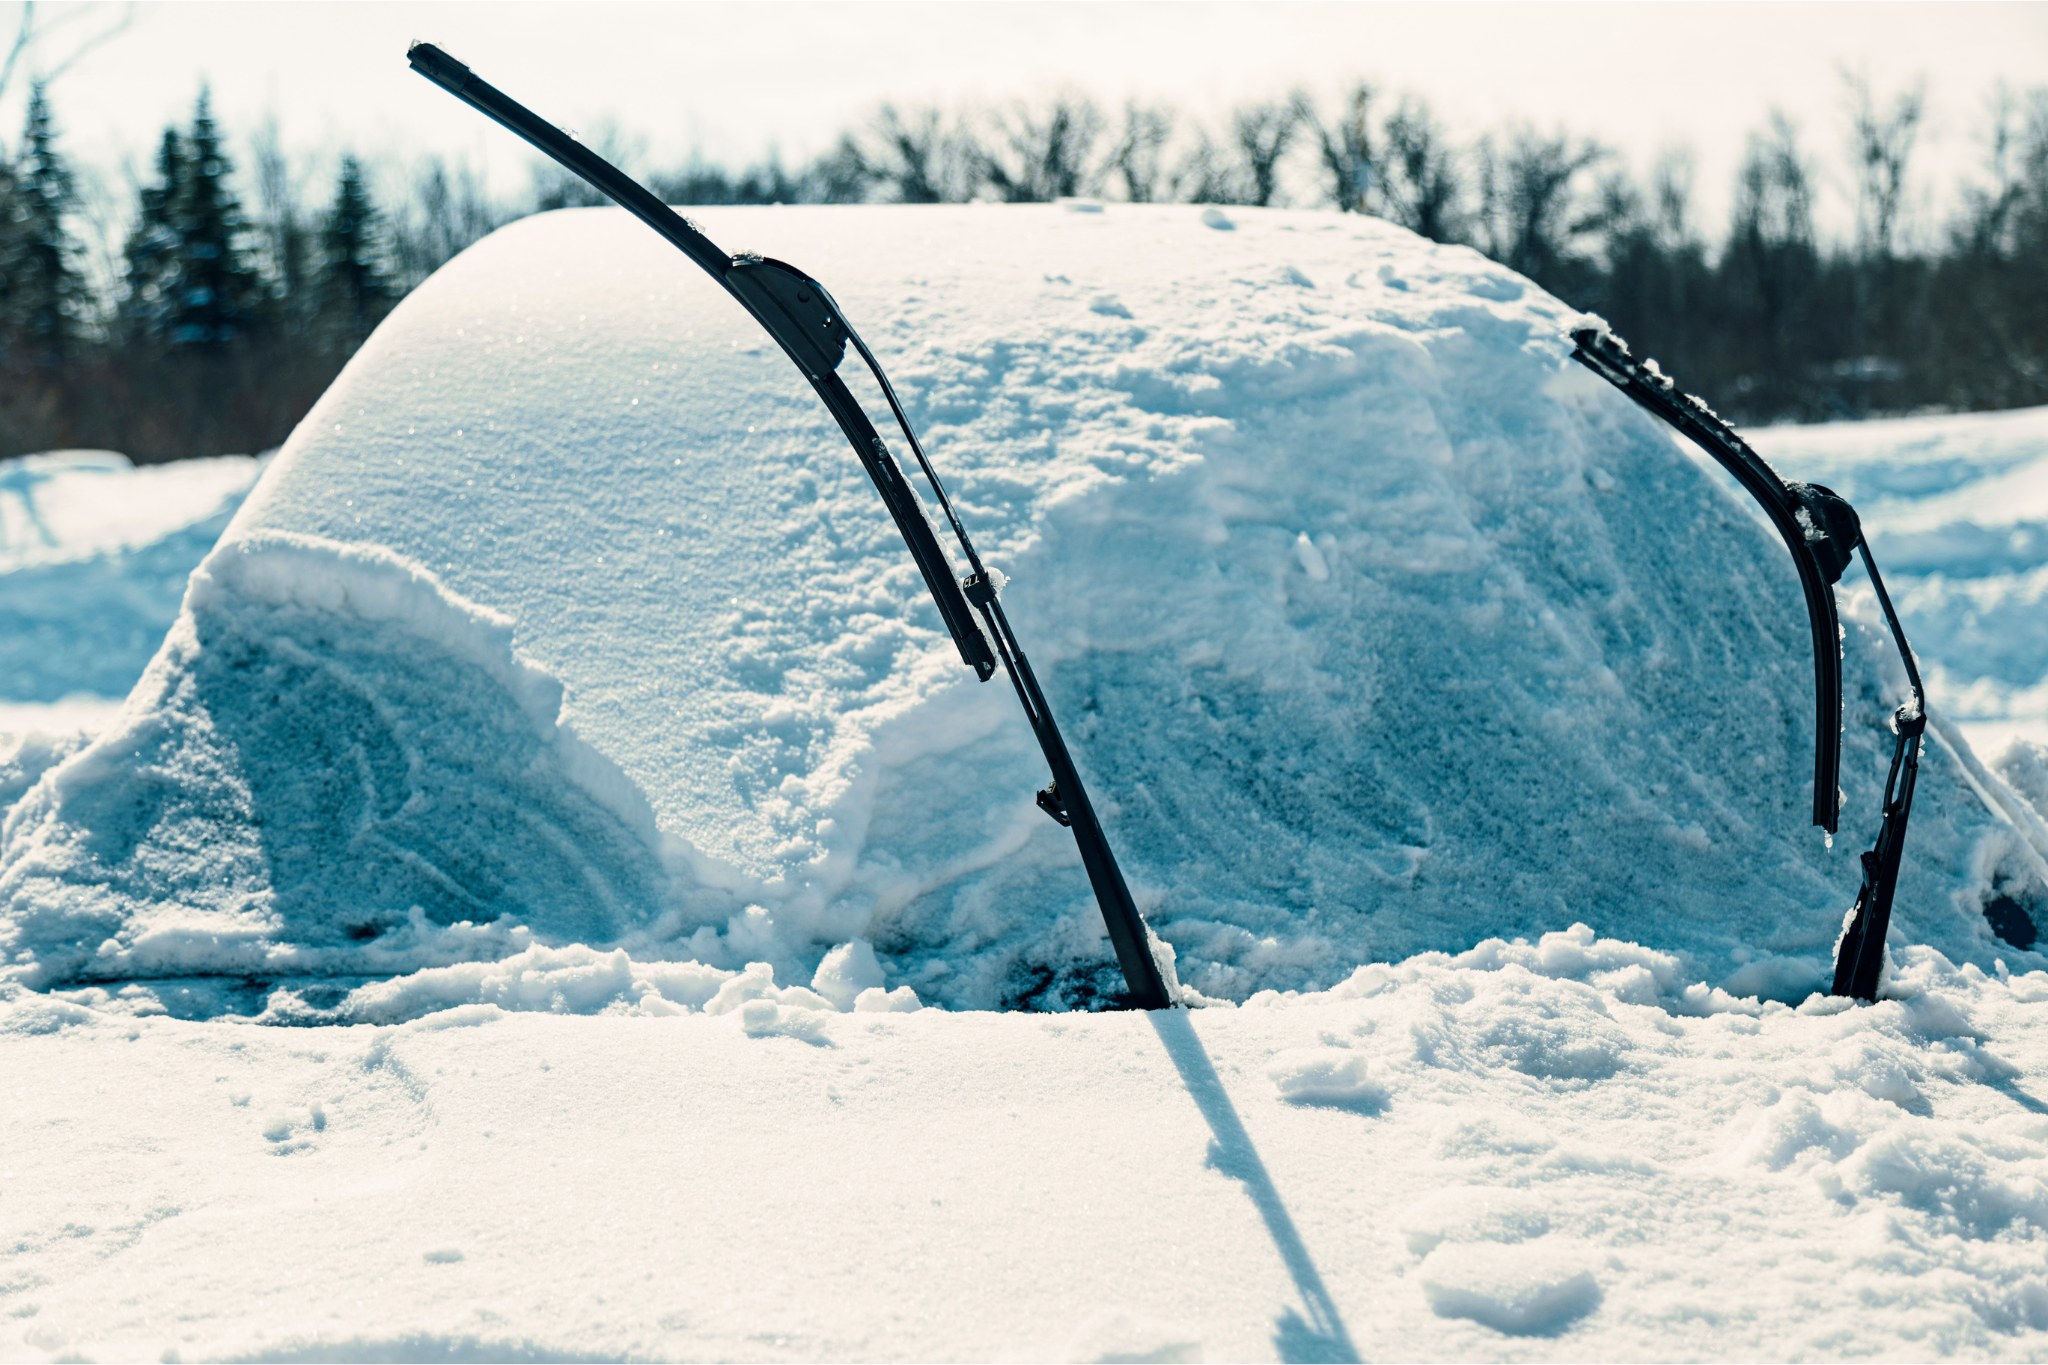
(1832, 528)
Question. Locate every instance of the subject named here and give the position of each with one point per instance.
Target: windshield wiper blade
(1821, 543)
(1860, 959)
(807, 323)
(1823, 534)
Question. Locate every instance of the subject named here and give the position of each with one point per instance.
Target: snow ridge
(335, 767)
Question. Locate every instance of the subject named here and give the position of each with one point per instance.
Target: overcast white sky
(731, 80)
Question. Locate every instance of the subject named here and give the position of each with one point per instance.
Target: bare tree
(1660, 219)
(1263, 132)
(1345, 146)
(282, 225)
(438, 213)
(557, 188)
(1530, 205)
(1140, 153)
(30, 33)
(1244, 170)
(1207, 174)
(1770, 268)
(1882, 144)
(840, 176)
(1044, 155)
(1774, 187)
(1671, 190)
(23, 35)
(923, 158)
(1983, 227)
(1421, 187)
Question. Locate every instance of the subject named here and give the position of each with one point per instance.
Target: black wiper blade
(806, 322)
(1860, 959)
(1823, 534)
(1607, 355)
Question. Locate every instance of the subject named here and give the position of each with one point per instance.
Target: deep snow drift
(94, 555)
(1378, 627)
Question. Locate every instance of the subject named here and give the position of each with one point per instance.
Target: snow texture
(562, 703)
(1574, 1157)
(566, 620)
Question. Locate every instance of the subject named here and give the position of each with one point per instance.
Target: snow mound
(331, 749)
(1379, 629)
(1521, 1290)
(1467, 1213)
(1324, 1075)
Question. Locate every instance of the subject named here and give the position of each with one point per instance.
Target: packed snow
(1545, 1152)
(561, 737)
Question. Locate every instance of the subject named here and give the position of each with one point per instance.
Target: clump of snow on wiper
(1592, 322)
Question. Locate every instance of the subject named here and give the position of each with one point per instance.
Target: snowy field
(560, 741)
(1957, 508)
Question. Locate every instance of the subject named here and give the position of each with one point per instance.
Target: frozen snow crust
(566, 624)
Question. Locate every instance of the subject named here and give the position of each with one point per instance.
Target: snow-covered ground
(1526, 1154)
(94, 554)
(1957, 510)
(560, 736)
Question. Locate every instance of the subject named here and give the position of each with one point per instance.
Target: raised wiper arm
(806, 322)
(473, 90)
(1823, 533)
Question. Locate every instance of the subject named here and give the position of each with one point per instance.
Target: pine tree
(10, 236)
(48, 294)
(355, 289)
(220, 297)
(153, 248)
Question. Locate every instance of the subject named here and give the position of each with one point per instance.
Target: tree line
(229, 297)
